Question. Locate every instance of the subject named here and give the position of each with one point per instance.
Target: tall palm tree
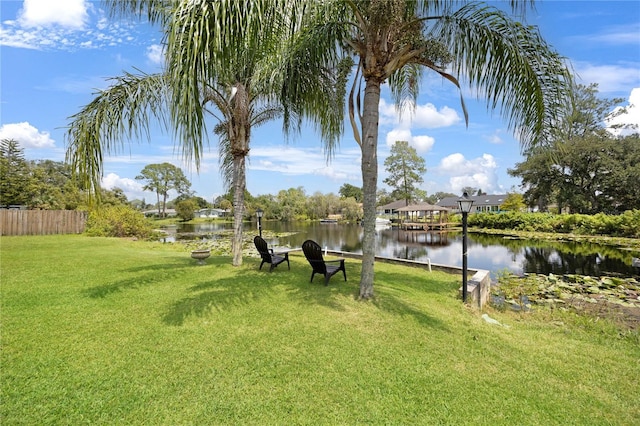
(395, 41)
(227, 54)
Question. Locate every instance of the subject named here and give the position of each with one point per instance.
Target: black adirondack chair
(313, 253)
(268, 256)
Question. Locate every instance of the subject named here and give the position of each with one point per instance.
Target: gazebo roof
(423, 207)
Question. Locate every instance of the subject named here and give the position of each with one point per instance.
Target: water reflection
(490, 252)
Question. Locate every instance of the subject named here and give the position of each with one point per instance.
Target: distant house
(211, 213)
(391, 208)
(158, 212)
(481, 203)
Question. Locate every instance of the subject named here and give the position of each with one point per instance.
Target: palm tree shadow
(142, 276)
(247, 286)
(316, 293)
(389, 297)
(220, 295)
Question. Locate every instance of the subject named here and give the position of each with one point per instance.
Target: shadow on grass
(331, 296)
(392, 286)
(142, 276)
(221, 294)
(224, 287)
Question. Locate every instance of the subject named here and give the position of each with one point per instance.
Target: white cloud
(155, 54)
(495, 138)
(132, 188)
(421, 144)
(26, 135)
(610, 78)
(345, 165)
(42, 13)
(477, 172)
(64, 25)
(629, 119)
(425, 116)
(398, 135)
(617, 35)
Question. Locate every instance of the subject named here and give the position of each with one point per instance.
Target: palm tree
(395, 41)
(228, 54)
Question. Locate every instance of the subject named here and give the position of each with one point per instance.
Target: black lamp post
(259, 214)
(465, 204)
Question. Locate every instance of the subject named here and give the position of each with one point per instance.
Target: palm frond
(153, 10)
(509, 64)
(124, 111)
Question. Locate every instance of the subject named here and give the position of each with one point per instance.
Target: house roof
(423, 207)
(393, 206)
(478, 200)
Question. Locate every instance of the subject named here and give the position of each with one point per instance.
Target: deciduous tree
(162, 178)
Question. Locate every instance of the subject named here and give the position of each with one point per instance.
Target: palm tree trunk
(239, 183)
(239, 137)
(369, 167)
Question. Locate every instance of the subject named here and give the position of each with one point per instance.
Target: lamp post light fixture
(465, 204)
(259, 214)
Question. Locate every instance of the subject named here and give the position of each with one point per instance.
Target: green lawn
(108, 331)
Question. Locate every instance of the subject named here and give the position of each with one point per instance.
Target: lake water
(490, 252)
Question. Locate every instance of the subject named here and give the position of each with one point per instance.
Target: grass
(114, 331)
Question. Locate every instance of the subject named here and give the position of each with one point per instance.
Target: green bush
(629, 224)
(623, 225)
(118, 221)
(186, 209)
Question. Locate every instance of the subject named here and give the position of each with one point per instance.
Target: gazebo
(424, 216)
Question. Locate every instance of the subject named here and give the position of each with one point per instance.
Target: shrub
(118, 221)
(623, 225)
(186, 209)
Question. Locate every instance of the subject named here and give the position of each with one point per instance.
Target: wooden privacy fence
(42, 222)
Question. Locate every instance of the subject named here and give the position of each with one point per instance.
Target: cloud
(625, 121)
(345, 165)
(610, 78)
(132, 188)
(425, 116)
(155, 54)
(477, 172)
(617, 35)
(27, 135)
(495, 138)
(42, 13)
(64, 25)
(421, 144)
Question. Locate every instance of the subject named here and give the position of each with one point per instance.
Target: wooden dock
(426, 226)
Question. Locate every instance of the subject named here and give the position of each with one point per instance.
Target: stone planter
(200, 255)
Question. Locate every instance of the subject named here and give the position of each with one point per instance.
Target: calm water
(490, 252)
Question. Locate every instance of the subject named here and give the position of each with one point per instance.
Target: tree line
(51, 185)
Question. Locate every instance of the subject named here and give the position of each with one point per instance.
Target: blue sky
(56, 54)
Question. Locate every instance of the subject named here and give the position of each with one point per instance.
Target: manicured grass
(114, 331)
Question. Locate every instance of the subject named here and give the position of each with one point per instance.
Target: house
(211, 213)
(158, 212)
(481, 203)
(391, 208)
